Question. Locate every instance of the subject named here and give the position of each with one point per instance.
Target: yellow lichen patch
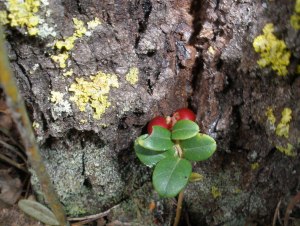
(270, 115)
(94, 92)
(215, 192)
(23, 14)
(3, 17)
(93, 23)
(133, 76)
(273, 52)
(60, 59)
(35, 125)
(68, 73)
(283, 127)
(68, 43)
(56, 97)
(289, 150)
(255, 166)
(295, 18)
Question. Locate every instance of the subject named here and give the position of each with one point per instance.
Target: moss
(94, 92)
(283, 127)
(295, 18)
(288, 150)
(215, 192)
(133, 76)
(273, 52)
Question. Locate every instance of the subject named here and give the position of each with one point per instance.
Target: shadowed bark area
(197, 54)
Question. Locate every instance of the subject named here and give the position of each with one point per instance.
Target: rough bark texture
(189, 53)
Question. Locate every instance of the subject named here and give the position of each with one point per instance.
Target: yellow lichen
(94, 92)
(56, 97)
(35, 125)
(68, 43)
(215, 192)
(23, 14)
(289, 150)
(270, 115)
(93, 23)
(295, 18)
(60, 59)
(3, 17)
(254, 166)
(283, 127)
(68, 73)
(133, 76)
(273, 52)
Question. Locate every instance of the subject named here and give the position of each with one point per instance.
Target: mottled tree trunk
(152, 57)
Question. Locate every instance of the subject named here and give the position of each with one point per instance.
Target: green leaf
(150, 157)
(171, 175)
(184, 129)
(37, 211)
(199, 147)
(159, 140)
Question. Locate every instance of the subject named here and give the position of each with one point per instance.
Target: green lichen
(288, 150)
(132, 76)
(295, 18)
(22, 14)
(94, 92)
(283, 127)
(273, 51)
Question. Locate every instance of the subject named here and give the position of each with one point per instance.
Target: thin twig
(95, 216)
(13, 163)
(20, 117)
(179, 208)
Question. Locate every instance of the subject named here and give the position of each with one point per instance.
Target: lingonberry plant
(170, 147)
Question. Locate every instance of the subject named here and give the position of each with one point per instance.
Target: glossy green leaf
(199, 147)
(150, 157)
(159, 140)
(37, 211)
(184, 129)
(171, 175)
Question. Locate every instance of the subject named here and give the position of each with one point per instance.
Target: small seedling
(170, 147)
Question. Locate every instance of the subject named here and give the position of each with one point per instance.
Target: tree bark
(196, 54)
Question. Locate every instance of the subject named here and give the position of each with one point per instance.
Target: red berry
(157, 121)
(183, 113)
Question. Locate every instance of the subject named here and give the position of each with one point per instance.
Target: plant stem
(20, 117)
(179, 208)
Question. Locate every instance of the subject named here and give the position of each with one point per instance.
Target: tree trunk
(149, 58)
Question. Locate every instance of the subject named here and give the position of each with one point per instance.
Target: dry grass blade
(276, 213)
(290, 207)
(19, 115)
